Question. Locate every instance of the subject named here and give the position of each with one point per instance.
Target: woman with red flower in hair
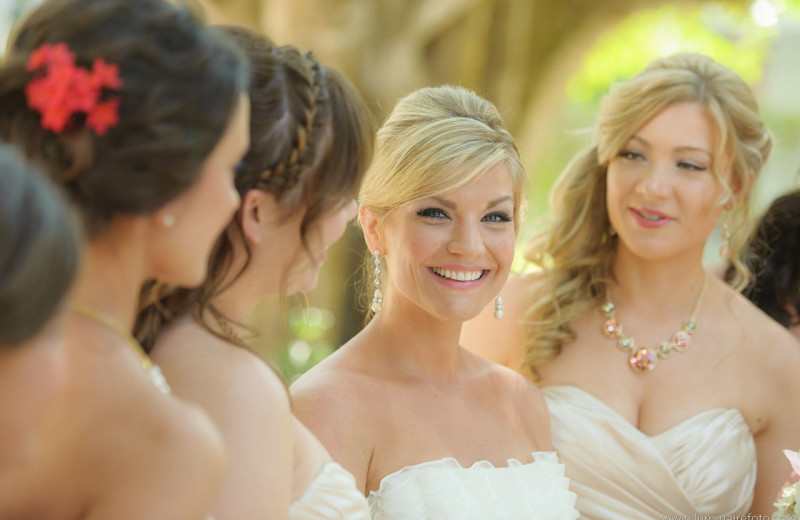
(140, 113)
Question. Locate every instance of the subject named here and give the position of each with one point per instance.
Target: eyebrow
(680, 148)
(452, 205)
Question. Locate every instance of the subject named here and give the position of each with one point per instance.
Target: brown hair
(180, 85)
(310, 144)
(772, 255)
(39, 249)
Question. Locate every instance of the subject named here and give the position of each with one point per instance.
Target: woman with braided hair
(311, 141)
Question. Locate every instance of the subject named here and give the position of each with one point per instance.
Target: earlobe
(369, 224)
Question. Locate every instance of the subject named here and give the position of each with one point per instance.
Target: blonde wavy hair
(576, 249)
(436, 140)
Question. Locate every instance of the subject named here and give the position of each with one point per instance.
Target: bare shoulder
(527, 404)
(332, 393)
(336, 401)
(763, 338)
(502, 340)
(769, 357)
(152, 441)
(249, 403)
(768, 351)
(221, 377)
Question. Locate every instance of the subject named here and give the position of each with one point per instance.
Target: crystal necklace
(644, 359)
(111, 323)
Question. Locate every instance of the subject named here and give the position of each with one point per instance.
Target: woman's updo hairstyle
(39, 249)
(181, 82)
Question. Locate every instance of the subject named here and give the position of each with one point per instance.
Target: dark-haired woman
(39, 257)
(773, 255)
(140, 113)
(311, 141)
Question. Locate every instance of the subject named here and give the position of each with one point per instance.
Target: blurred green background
(544, 63)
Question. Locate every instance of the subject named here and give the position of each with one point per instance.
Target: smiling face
(661, 191)
(449, 255)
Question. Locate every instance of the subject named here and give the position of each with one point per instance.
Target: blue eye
(432, 213)
(497, 216)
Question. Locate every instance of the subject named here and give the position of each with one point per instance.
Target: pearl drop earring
(377, 296)
(498, 307)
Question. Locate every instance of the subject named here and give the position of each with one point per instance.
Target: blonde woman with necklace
(669, 392)
(102, 96)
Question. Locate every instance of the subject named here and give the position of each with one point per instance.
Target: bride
(428, 429)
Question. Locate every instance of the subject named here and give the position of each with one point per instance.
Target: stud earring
(498, 307)
(377, 296)
(168, 221)
(725, 248)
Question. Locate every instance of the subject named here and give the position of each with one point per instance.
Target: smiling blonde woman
(428, 429)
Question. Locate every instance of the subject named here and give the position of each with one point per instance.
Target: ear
(258, 207)
(736, 188)
(369, 224)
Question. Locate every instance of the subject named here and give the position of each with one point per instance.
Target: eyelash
(437, 214)
(633, 156)
(499, 216)
(690, 166)
(432, 213)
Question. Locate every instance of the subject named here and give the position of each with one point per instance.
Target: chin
(190, 279)
(303, 282)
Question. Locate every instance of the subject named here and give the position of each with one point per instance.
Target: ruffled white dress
(331, 496)
(443, 489)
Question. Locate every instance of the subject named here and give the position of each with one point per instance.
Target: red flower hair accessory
(60, 89)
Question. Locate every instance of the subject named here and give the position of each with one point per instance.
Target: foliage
(309, 332)
(728, 34)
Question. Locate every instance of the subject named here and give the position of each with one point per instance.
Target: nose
(235, 199)
(655, 182)
(466, 239)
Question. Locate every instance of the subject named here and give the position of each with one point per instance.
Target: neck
(241, 293)
(657, 286)
(417, 344)
(111, 276)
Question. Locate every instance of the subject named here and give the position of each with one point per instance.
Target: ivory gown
(705, 464)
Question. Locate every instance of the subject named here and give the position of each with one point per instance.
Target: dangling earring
(725, 248)
(377, 296)
(168, 221)
(498, 307)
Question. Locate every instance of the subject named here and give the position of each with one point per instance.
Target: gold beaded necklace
(644, 359)
(112, 324)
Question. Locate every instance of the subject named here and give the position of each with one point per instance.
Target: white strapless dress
(331, 496)
(444, 490)
(704, 465)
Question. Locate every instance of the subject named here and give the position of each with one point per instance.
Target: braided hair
(310, 144)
